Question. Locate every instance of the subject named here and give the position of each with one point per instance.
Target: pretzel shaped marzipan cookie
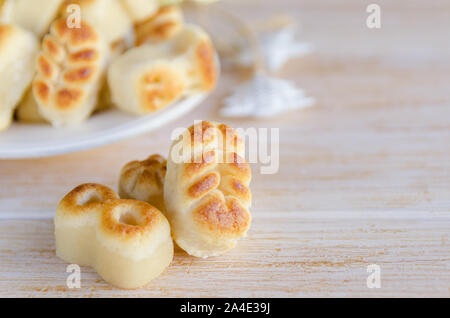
(144, 180)
(128, 242)
(207, 194)
(70, 69)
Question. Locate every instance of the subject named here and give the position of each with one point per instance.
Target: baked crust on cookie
(207, 194)
(144, 180)
(70, 73)
(150, 77)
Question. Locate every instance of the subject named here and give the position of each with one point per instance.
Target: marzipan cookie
(144, 180)
(128, 242)
(70, 72)
(18, 50)
(206, 190)
(150, 77)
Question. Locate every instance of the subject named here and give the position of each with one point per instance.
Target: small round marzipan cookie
(144, 180)
(128, 242)
(206, 193)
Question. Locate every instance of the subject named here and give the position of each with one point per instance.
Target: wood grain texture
(364, 176)
(307, 255)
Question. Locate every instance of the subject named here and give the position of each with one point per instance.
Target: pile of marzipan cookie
(62, 60)
(199, 197)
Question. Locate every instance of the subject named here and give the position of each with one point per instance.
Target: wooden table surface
(364, 176)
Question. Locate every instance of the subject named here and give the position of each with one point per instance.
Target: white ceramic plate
(32, 141)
